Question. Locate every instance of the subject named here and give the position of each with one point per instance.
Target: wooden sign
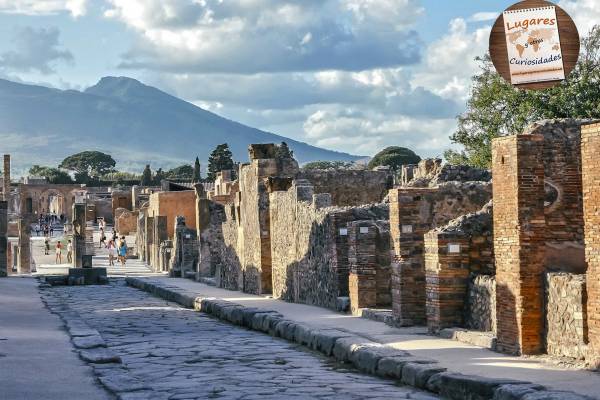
(534, 44)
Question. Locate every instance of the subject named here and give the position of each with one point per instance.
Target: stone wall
(310, 244)
(480, 314)
(413, 213)
(127, 221)
(566, 319)
(349, 187)
(432, 172)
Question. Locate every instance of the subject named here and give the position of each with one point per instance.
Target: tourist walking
(102, 238)
(51, 230)
(111, 252)
(123, 251)
(47, 246)
(69, 252)
(58, 252)
(37, 229)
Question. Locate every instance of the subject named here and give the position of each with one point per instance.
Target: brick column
(447, 275)
(205, 266)
(590, 167)
(407, 228)
(79, 231)
(519, 242)
(3, 239)
(362, 285)
(24, 260)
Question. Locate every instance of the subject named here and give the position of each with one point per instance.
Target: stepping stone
(99, 356)
(89, 342)
(122, 383)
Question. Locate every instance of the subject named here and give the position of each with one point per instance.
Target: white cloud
(585, 13)
(484, 16)
(450, 61)
(35, 50)
(76, 8)
(251, 36)
(366, 133)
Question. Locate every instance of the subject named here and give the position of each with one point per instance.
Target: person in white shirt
(69, 252)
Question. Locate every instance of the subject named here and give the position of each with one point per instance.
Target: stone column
(24, 260)
(149, 240)
(447, 279)
(362, 285)
(160, 235)
(3, 239)
(519, 242)
(79, 227)
(6, 188)
(590, 166)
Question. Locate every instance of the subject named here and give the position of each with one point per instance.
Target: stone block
(470, 387)
(515, 392)
(417, 375)
(88, 342)
(99, 356)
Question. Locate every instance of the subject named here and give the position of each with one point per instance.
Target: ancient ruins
(442, 247)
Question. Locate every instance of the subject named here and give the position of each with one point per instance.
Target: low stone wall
(566, 317)
(480, 314)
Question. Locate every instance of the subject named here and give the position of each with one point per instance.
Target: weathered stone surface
(391, 367)
(469, 387)
(481, 303)
(566, 315)
(89, 342)
(417, 375)
(515, 392)
(99, 355)
(119, 383)
(554, 395)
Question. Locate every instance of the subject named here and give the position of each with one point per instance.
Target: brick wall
(127, 221)
(590, 149)
(172, 204)
(414, 212)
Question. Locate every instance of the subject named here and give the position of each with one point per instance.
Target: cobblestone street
(180, 354)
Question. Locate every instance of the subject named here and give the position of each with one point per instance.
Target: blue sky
(349, 75)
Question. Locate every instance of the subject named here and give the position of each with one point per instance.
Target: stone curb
(367, 356)
(91, 347)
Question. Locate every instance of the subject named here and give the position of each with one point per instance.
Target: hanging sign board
(534, 44)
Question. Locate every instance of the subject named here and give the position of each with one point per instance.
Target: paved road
(36, 356)
(183, 354)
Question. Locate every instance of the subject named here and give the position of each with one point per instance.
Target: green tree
(159, 176)
(53, 175)
(394, 157)
(89, 163)
(220, 159)
(146, 176)
(283, 151)
(183, 172)
(197, 177)
(326, 165)
(495, 108)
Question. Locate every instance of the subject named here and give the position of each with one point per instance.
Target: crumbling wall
(432, 172)
(566, 316)
(480, 314)
(349, 187)
(310, 244)
(222, 237)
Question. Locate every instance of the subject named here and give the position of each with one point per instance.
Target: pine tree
(197, 176)
(146, 176)
(159, 176)
(220, 160)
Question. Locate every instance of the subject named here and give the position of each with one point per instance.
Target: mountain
(135, 123)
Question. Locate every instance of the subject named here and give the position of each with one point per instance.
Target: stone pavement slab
(36, 356)
(455, 356)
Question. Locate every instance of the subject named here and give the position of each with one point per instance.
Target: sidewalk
(457, 357)
(36, 356)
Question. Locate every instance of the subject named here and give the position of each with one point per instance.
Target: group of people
(117, 247)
